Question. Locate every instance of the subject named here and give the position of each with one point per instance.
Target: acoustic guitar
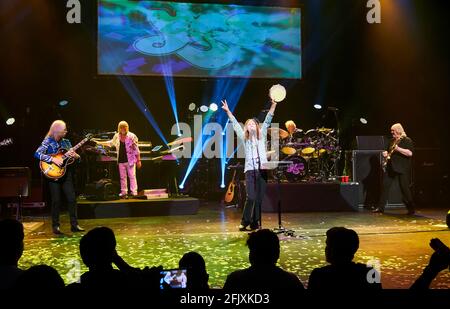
(229, 195)
(55, 172)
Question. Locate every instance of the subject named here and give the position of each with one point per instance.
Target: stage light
(363, 120)
(10, 121)
(222, 185)
(213, 107)
(136, 96)
(203, 108)
(181, 186)
(223, 88)
(448, 219)
(317, 106)
(192, 107)
(63, 103)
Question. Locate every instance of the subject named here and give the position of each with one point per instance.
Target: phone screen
(173, 279)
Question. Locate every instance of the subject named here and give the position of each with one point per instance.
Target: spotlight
(222, 186)
(192, 107)
(10, 121)
(213, 107)
(203, 108)
(63, 103)
(181, 186)
(317, 106)
(363, 120)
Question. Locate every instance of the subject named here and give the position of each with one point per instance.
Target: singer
(253, 136)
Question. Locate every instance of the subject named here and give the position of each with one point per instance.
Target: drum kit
(309, 156)
(312, 154)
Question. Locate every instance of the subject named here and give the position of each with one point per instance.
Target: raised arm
(269, 116)
(236, 126)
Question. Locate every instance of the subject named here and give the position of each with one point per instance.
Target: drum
(308, 152)
(295, 171)
(289, 149)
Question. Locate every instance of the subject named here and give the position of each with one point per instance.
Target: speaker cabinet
(368, 172)
(14, 182)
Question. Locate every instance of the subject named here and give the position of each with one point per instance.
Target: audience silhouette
(11, 249)
(343, 273)
(41, 277)
(439, 261)
(196, 271)
(264, 252)
(98, 252)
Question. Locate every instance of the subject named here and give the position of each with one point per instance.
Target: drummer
(291, 127)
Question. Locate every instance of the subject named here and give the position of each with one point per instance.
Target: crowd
(98, 253)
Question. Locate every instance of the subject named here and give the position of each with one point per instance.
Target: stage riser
(138, 208)
(302, 197)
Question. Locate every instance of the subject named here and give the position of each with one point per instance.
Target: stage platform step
(137, 208)
(303, 197)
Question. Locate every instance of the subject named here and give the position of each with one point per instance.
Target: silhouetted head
(264, 247)
(342, 244)
(98, 247)
(11, 242)
(40, 277)
(196, 270)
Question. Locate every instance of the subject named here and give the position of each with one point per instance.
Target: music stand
(280, 229)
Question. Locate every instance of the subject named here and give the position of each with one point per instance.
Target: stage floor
(397, 241)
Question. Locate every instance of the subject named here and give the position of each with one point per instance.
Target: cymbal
(281, 133)
(324, 130)
(180, 141)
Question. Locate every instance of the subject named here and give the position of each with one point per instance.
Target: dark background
(396, 71)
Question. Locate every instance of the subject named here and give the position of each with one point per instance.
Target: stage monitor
(162, 38)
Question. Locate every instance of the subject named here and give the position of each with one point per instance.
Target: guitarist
(52, 143)
(398, 156)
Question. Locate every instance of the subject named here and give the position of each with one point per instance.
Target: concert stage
(301, 197)
(137, 208)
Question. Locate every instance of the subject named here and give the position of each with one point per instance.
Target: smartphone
(173, 279)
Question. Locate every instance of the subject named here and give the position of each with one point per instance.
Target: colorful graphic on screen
(198, 39)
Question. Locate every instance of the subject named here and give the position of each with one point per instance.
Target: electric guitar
(390, 152)
(229, 195)
(55, 172)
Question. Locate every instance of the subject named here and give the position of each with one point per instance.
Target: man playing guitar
(52, 143)
(398, 165)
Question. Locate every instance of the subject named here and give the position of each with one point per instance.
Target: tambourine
(277, 93)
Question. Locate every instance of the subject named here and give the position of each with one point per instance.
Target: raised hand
(225, 106)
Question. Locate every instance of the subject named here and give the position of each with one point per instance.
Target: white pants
(124, 169)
